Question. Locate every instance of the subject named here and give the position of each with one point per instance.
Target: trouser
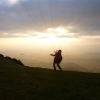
(57, 65)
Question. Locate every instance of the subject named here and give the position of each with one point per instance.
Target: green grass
(23, 83)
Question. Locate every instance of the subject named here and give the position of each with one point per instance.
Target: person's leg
(59, 66)
(54, 66)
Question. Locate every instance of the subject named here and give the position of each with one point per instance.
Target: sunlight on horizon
(48, 41)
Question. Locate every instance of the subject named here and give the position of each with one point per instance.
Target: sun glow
(57, 30)
(48, 38)
(51, 38)
(54, 36)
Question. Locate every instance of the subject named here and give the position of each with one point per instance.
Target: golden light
(61, 30)
(58, 30)
(50, 36)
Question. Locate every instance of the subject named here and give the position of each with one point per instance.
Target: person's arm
(52, 54)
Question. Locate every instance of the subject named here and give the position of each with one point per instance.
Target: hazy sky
(36, 28)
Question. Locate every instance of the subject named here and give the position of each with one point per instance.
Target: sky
(32, 29)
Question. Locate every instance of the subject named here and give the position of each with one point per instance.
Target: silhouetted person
(57, 59)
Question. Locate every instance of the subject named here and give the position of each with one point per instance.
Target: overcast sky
(19, 18)
(71, 25)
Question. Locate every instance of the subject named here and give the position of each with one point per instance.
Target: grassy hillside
(23, 83)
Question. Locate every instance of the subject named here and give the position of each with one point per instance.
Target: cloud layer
(77, 17)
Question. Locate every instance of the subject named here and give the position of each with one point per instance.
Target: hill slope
(7, 61)
(23, 83)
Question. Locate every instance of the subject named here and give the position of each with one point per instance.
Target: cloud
(39, 16)
(13, 1)
(17, 34)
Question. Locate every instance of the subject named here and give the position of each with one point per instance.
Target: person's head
(59, 51)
